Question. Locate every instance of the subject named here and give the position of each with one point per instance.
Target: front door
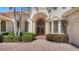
(40, 27)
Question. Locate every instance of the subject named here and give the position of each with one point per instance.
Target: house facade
(40, 20)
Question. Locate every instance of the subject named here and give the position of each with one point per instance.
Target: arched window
(63, 26)
(18, 24)
(55, 26)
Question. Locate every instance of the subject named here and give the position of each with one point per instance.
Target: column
(59, 27)
(52, 27)
(47, 28)
(30, 25)
(34, 26)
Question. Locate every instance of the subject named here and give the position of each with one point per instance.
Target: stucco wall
(9, 26)
(73, 28)
(58, 13)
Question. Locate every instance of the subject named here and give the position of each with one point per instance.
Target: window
(50, 27)
(3, 26)
(56, 26)
(26, 26)
(18, 24)
(63, 27)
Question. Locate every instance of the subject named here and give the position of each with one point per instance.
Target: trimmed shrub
(27, 38)
(8, 38)
(16, 38)
(29, 33)
(3, 35)
(11, 38)
(57, 37)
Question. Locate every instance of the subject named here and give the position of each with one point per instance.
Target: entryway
(40, 27)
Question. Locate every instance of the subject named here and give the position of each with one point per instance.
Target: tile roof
(7, 15)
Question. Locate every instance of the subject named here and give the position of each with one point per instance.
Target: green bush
(27, 38)
(29, 33)
(3, 35)
(8, 38)
(16, 38)
(57, 37)
(11, 38)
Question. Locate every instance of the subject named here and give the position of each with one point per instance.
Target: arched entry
(39, 23)
(40, 27)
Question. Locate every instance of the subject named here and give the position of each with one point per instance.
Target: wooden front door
(40, 27)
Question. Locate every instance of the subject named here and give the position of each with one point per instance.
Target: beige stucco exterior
(70, 14)
(72, 17)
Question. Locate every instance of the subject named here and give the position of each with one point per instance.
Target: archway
(39, 23)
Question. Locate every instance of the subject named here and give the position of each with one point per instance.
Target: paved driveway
(37, 45)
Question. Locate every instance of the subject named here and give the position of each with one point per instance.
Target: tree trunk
(19, 29)
(15, 24)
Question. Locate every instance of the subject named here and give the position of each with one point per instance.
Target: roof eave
(71, 11)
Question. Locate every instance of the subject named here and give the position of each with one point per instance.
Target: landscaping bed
(23, 37)
(57, 38)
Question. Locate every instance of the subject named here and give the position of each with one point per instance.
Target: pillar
(47, 28)
(52, 27)
(59, 27)
(34, 26)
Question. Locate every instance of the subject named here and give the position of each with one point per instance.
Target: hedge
(27, 38)
(29, 33)
(11, 38)
(8, 38)
(57, 37)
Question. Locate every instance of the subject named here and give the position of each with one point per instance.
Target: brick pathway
(37, 45)
(41, 37)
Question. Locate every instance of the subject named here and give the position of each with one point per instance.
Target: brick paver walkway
(37, 45)
(41, 37)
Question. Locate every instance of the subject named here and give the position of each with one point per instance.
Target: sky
(6, 9)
